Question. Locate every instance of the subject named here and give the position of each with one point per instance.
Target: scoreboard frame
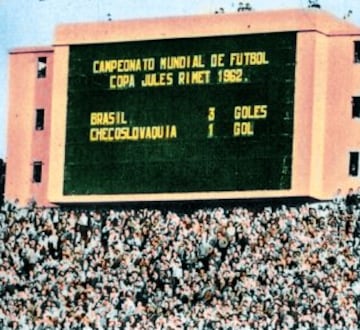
(176, 28)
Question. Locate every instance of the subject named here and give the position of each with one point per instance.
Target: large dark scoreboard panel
(181, 115)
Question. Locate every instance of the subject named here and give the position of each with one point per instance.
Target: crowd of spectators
(215, 268)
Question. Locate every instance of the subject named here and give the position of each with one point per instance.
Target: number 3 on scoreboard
(211, 114)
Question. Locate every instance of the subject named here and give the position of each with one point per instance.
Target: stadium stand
(215, 268)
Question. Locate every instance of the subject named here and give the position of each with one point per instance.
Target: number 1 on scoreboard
(210, 130)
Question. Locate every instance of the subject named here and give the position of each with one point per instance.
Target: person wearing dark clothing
(351, 200)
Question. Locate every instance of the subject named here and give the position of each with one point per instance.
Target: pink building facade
(29, 120)
(326, 121)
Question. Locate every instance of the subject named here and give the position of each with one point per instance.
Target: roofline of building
(32, 49)
(251, 22)
(248, 22)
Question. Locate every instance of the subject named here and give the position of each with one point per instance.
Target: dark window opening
(354, 164)
(37, 171)
(41, 67)
(39, 120)
(356, 107)
(357, 51)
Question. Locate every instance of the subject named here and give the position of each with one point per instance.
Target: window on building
(357, 51)
(39, 119)
(41, 67)
(354, 164)
(356, 107)
(37, 171)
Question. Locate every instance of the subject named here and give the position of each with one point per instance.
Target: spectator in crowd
(351, 200)
(289, 268)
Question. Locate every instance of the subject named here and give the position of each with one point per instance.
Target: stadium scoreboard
(180, 115)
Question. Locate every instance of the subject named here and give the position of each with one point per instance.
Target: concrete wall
(25, 144)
